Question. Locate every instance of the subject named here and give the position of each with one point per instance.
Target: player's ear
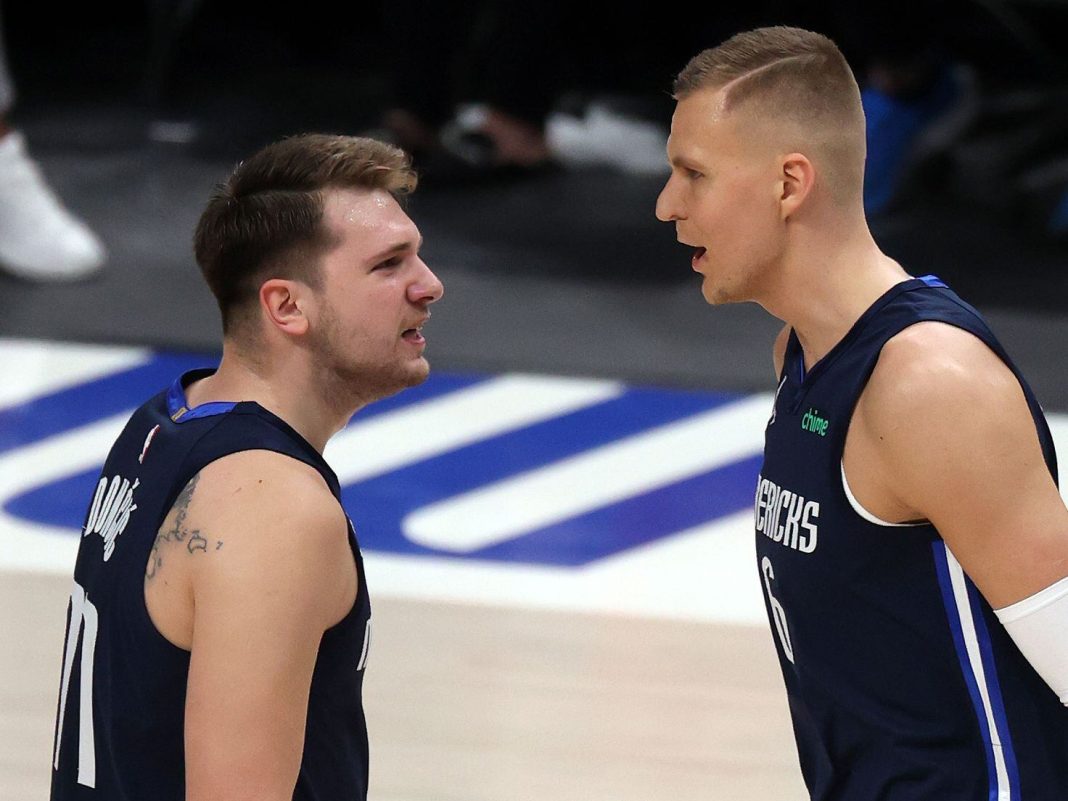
(797, 178)
(284, 302)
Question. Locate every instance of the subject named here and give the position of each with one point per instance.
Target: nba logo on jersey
(148, 441)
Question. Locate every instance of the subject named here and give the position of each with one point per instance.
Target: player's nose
(427, 287)
(667, 203)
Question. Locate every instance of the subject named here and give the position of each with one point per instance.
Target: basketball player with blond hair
(911, 542)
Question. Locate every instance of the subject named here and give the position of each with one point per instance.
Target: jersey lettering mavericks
(119, 732)
(902, 684)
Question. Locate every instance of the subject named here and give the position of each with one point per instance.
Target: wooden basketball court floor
(479, 703)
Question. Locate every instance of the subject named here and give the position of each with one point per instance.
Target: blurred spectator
(918, 99)
(39, 239)
(481, 89)
(447, 54)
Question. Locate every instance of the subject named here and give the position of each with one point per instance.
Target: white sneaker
(39, 239)
(606, 137)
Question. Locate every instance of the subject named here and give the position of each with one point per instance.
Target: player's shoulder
(262, 488)
(934, 369)
(279, 529)
(933, 353)
(260, 466)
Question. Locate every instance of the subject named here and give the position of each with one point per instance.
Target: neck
(826, 283)
(283, 388)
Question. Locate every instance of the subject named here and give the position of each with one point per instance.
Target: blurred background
(554, 257)
(613, 650)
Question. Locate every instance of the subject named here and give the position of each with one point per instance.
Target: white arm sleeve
(1039, 627)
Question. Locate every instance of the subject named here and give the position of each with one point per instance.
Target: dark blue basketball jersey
(122, 695)
(902, 684)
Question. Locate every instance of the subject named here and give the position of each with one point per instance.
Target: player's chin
(718, 293)
(417, 371)
(713, 294)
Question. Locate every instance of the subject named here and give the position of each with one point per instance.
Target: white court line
(32, 546)
(590, 480)
(435, 426)
(40, 368)
(707, 573)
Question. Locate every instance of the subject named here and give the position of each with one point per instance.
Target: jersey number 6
(777, 612)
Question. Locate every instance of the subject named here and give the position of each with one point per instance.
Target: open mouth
(698, 254)
(414, 336)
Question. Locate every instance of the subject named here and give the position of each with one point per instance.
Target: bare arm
(260, 607)
(950, 427)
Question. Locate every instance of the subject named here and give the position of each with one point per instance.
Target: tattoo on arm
(178, 531)
(196, 542)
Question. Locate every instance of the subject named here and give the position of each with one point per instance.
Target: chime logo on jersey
(112, 506)
(811, 421)
(786, 517)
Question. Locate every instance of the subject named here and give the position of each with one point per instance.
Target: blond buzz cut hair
(799, 85)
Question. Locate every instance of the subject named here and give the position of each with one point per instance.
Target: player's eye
(388, 263)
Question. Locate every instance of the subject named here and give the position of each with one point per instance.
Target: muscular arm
(260, 607)
(954, 441)
(943, 432)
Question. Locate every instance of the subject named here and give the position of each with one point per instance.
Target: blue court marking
(25, 423)
(76, 406)
(380, 504)
(63, 502)
(635, 521)
(436, 385)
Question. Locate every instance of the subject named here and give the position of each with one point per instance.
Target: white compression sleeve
(1039, 627)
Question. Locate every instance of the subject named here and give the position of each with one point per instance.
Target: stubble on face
(349, 375)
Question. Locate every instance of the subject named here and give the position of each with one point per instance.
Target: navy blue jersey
(122, 696)
(902, 684)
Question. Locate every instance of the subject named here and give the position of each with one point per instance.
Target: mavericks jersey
(902, 684)
(119, 730)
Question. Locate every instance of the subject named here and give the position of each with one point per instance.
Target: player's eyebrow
(685, 163)
(399, 247)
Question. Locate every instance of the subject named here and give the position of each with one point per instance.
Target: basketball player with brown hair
(220, 621)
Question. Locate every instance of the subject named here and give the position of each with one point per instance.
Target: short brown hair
(789, 74)
(265, 220)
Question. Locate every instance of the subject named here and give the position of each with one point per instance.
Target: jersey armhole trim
(864, 513)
